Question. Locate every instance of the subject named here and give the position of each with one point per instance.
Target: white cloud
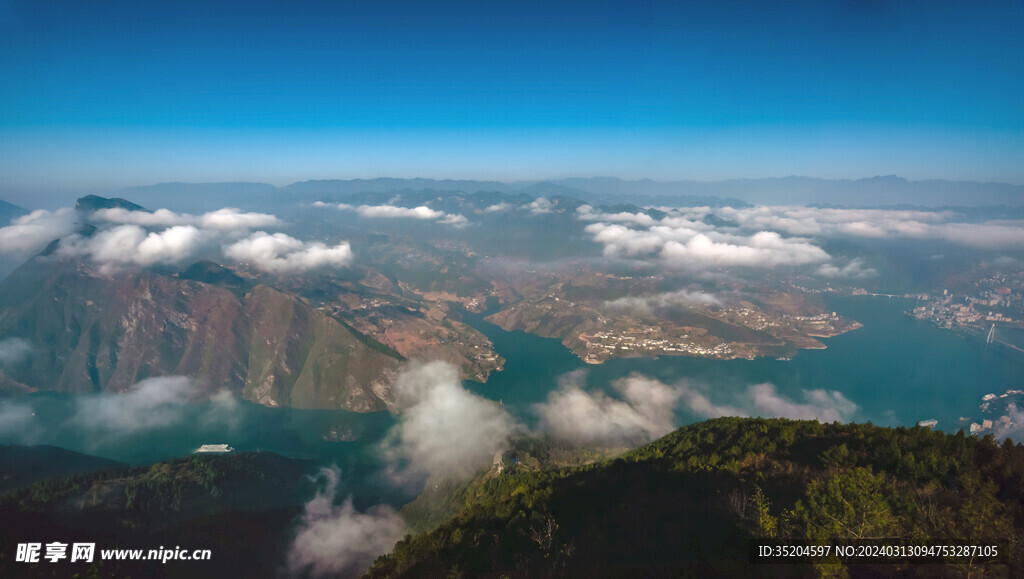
(151, 404)
(338, 541)
(130, 244)
(765, 401)
(621, 241)
(880, 224)
(645, 411)
(698, 403)
(539, 206)
(444, 429)
(680, 245)
(763, 249)
(587, 213)
(390, 211)
(17, 422)
(33, 232)
(158, 218)
(645, 408)
(683, 239)
(396, 212)
(225, 219)
(498, 207)
(13, 351)
(454, 219)
(171, 245)
(98, 420)
(279, 253)
(855, 269)
(647, 304)
(820, 405)
(230, 218)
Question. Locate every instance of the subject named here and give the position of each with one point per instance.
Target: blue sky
(102, 94)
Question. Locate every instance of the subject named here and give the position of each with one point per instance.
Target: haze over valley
(496, 289)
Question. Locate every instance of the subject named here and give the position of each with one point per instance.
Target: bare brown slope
(93, 332)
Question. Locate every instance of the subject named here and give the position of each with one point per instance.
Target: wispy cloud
(880, 224)
(498, 207)
(443, 428)
(643, 411)
(14, 351)
(854, 269)
(334, 540)
(773, 236)
(31, 233)
(588, 213)
(225, 219)
(764, 400)
(648, 304)
(149, 404)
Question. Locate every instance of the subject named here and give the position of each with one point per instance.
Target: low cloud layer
(151, 404)
(421, 212)
(131, 244)
(854, 269)
(765, 401)
(702, 237)
(280, 253)
(163, 237)
(881, 224)
(226, 219)
(820, 405)
(31, 233)
(498, 207)
(336, 540)
(643, 409)
(682, 246)
(17, 422)
(539, 206)
(588, 213)
(14, 351)
(443, 428)
(647, 305)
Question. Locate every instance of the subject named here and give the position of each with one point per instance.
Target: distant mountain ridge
(794, 190)
(23, 465)
(10, 211)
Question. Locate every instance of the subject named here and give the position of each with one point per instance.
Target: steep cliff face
(90, 332)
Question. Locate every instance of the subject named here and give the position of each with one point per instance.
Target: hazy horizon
(100, 97)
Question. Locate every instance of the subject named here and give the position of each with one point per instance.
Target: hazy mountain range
(874, 191)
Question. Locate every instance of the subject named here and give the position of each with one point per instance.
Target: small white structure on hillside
(215, 448)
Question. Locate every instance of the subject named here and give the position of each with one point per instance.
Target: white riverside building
(214, 448)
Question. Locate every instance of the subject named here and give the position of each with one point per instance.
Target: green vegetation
(691, 502)
(237, 505)
(369, 342)
(166, 491)
(23, 465)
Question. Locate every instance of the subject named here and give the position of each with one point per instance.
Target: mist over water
(895, 371)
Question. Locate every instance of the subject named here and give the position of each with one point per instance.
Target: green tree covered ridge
(692, 501)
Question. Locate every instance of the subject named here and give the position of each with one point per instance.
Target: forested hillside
(692, 501)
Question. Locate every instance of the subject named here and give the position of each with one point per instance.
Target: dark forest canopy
(691, 502)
